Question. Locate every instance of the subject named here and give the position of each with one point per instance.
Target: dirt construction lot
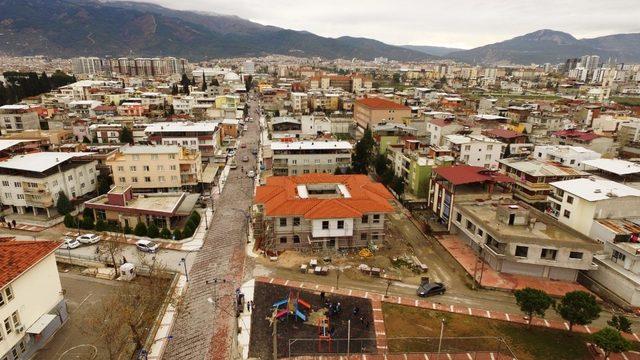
(296, 337)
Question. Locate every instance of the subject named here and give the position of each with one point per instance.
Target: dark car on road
(429, 289)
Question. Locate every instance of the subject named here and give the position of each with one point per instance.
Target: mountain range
(67, 28)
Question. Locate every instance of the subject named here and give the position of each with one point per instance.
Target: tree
(70, 221)
(153, 231)
(578, 307)
(611, 341)
(127, 229)
(94, 140)
(141, 229)
(87, 223)
(248, 81)
(397, 185)
(620, 323)
(533, 302)
(165, 233)
(214, 82)
(177, 235)
(381, 164)
(204, 82)
(63, 205)
(88, 213)
(104, 184)
(362, 156)
(86, 140)
(185, 84)
(174, 89)
(126, 136)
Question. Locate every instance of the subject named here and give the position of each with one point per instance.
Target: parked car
(148, 246)
(88, 238)
(245, 158)
(429, 289)
(70, 243)
(233, 164)
(251, 173)
(232, 153)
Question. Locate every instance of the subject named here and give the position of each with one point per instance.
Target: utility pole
(386, 293)
(348, 338)
(274, 334)
(440, 342)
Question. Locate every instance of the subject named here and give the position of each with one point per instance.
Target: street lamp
(440, 342)
(183, 261)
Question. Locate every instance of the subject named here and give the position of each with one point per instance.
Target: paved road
(205, 323)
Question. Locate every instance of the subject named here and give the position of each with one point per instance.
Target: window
(147, 179)
(575, 255)
(92, 181)
(7, 325)
(471, 226)
(467, 148)
(325, 225)
(173, 167)
(160, 167)
(376, 218)
(317, 161)
(5, 183)
(458, 217)
(340, 224)
(161, 178)
(365, 219)
(134, 179)
(15, 318)
(296, 221)
(17, 184)
(573, 161)
(122, 179)
(283, 240)
(617, 256)
(522, 251)
(132, 168)
(70, 177)
(7, 195)
(20, 196)
(172, 156)
(283, 221)
(363, 236)
(548, 254)
(154, 157)
(145, 168)
(567, 214)
(296, 239)
(569, 199)
(489, 147)
(136, 157)
(23, 348)
(480, 232)
(374, 236)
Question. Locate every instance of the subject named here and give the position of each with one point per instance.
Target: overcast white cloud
(454, 23)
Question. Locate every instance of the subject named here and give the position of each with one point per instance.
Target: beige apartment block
(151, 168)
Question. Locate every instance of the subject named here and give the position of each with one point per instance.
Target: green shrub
(101, 226)
(187, 231)
(87, 223)
(127, 229)
(70, 221)
(177, 234)
(141, 229)
(196, 216)
(153, 231)
(87, 213)
(165, 233)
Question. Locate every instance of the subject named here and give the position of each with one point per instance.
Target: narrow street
(205, 327)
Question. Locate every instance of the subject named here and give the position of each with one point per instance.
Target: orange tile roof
(381, 104)
(16, 257)
(280, 197)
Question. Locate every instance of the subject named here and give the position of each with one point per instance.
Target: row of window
(147, 168)
(10, 324)
(325, 224)
(153, 156)
(147, 179)
(6, 295)
(296, 238)
(15, 351)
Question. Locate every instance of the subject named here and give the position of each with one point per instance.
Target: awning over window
(41, 324)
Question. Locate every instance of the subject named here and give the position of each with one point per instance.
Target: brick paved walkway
(205, 324)
(377, 298)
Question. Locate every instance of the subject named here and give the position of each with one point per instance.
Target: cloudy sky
(453, 23)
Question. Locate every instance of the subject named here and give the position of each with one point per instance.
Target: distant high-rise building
(86, 65)
(248, 67)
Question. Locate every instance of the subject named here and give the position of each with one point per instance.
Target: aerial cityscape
(319, 180)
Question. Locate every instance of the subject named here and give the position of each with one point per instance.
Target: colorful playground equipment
(324, 335)
(292, 304)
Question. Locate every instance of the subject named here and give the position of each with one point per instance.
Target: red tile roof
(576, 134)
(502, 133)
(280, 197)
(381, 104)
(465, 174)
(16, 257)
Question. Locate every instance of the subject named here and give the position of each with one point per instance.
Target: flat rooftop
(40, 161)
(615, 166)
(179, 203)
(311, 145)
(206, 126)
(593, 189)
(541, 168)
(150, 149)
(546, 231)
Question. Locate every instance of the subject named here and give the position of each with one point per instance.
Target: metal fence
(463, 347)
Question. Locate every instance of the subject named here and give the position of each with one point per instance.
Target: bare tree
(106, 323)
(109, 251)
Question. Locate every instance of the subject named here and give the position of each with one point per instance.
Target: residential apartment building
(321, 211)
(105, 133)
(567, 155)
(156, 168)
(203, 136)
(438, 128)
(16, 118)
(515, 238)
(578, 202)
(413, 166)
(369, 112)
(475, 150)
(32, 305)
(86, 65)
(532, 178)
(33, 182)
(308, 157)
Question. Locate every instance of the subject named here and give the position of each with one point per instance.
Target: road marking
(624, 356)
(416, 303)
(332, 289)
(426, 357)
(350, 291)
(507, 316)
(316, 286)
(83, 300)
(381, 333)
(492, 357)
(566, 325)
(470, 312)
(448, 356)
(451, 308)
(301, 285)
(286, 283)
(636, 336)
(271, 281)
(378, 320)
(399, 300)
(433, 305)
(366, 295)
(546, 323)
(405, 356)
(469, 356)
(488, 314)
(587, 328)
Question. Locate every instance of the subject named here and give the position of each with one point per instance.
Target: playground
(307, 323)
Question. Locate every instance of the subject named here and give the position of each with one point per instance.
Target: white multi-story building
(567, 155)
(16, 118)
(184, 104)
(32, 306)
(86, 65)
(440, 125)
(475, 150)
(308, 157)
(33, 182)
(299, 102)
(203, 136)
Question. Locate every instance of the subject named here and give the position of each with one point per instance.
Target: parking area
(72, 341)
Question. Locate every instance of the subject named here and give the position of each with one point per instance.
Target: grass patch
(626, 100)
(526, 343)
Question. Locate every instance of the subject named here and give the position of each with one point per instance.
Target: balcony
(39, 200)
(28, 188)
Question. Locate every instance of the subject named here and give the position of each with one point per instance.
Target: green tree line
(20, 85)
